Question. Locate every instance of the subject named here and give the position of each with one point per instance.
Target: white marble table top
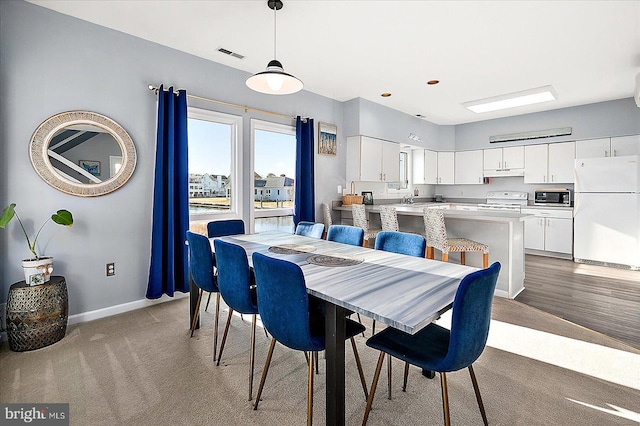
(401, 291)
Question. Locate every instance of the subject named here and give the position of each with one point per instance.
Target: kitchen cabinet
(549, 163)
(446, 167)
(608, 147)
(372, 160)
(550, 230)
(425, 166)
(507, 161)
(468, 167)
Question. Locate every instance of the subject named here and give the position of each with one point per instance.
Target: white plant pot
(37, 271)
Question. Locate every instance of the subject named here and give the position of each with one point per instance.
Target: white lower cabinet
(550, 230)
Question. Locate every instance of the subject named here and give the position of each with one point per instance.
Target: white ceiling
(589, 51)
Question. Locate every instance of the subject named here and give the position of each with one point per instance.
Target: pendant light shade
(274, 81)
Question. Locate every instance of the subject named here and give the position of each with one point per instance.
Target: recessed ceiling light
(386, 95)
(432, 82)
(512, 100)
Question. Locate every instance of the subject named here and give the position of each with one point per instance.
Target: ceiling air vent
(538, 134)
(230, 53)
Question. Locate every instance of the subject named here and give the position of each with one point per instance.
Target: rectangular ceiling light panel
(512, 100)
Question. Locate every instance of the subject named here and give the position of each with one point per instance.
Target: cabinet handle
(380, 176)
(499, 165)
(384, 177)
(606, 153)
(505, 164)
(615, 153)
(552, 179)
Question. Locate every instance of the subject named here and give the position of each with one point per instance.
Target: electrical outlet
(111, 269)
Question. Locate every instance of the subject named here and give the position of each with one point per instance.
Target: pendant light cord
(275, 35)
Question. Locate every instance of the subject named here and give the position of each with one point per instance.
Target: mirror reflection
(85, 154)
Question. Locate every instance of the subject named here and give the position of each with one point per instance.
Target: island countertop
(450, 210)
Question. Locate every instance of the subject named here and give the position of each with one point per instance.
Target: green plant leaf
(7, 215)
(63, 217)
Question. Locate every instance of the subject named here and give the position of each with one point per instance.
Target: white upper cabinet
(425, 166)
(549, 163)
(469, 167)
(372, 160)
(608, 147)
(507, 161)
(446, 161)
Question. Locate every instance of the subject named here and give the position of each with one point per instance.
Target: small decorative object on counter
(352, 198)
(37, 269)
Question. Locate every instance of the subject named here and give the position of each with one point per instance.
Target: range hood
(505, 172)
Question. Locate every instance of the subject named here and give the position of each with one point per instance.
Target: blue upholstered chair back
(470, 318)
(222, 228)
(401, 242)
(310, 229)
(234, 277)
(283, 303)
(345, 234)
(201, 262)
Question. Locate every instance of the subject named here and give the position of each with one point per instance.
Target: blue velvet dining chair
(283, 303)
(401, 242)
(201, 271)
(345, 234)
(310, 229)
(237, 287)
(435, 348)
(222, 228)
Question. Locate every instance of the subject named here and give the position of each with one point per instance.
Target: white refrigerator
(606, 225)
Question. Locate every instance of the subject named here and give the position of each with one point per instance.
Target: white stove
(505, 201)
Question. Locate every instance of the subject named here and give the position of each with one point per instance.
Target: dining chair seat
(438, 349)
(284, 307)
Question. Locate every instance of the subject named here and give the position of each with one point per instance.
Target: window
(404, 170)
(274, 165)
(214, 166)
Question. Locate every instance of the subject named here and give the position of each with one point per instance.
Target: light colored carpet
(141, 368)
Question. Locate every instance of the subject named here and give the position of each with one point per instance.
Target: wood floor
(603, 299)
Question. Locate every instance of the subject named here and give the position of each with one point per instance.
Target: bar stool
(326, 219)
(436, 234)
(360, 220)
(389, 218)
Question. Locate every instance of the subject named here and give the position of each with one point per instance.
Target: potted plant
(37, 269)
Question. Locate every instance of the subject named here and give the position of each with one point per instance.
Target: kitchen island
(502, 231)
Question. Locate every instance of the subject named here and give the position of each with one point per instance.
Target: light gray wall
(604, 119)
(52, 63)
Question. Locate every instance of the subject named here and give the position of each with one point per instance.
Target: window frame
(237, 202)
(268, 126)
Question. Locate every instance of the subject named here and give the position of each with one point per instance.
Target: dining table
(400, 291)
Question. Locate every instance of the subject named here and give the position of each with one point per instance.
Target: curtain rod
(155, 89)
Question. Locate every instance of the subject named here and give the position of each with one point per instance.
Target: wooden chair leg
(372, 392)
(430, 252)
(215, 326)
(406, 376)
(197, 313)
(445, 257)
(310, 392)
(478, 397)
(264, 373)
(359, 365)
(315, 355)
(463, 260)
(485, 260)
(365, 243)
(224, 335)
(445, 399)
(208, 300)
(252, 356)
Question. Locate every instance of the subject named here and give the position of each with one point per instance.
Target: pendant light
(274, 81)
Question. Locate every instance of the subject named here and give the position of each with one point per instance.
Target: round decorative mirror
(82, 153)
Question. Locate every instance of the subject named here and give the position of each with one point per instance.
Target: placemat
(292, 249)
(334, 260)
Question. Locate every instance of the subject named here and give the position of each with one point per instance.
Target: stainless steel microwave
(553, 197)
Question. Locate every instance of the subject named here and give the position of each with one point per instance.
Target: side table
(37, 315)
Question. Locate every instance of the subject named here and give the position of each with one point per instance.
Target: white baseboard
(119, 309)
